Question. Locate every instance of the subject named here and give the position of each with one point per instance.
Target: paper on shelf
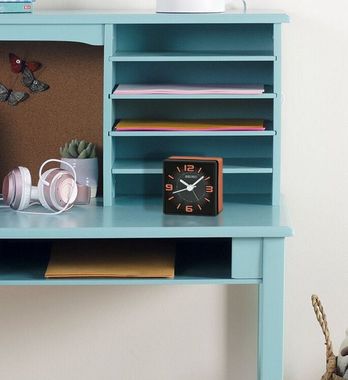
(207, 89)
(190, 125)
(116, 258)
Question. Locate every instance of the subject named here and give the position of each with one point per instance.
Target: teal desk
(245, 243)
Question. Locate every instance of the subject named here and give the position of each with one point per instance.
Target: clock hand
(186, 189)
(179, 191)
(184, 183)
(195, 195)
(199, 180)
(191, 187)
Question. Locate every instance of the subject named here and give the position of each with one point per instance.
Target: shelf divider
(188, 97)
(23, 281)
(189, 133)
(231, 166)
(193, 56)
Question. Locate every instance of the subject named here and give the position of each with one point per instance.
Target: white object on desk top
(190, 6)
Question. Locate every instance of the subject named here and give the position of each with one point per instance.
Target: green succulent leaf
(94, 152)
(83, 154)
(64, 151)
(82, 145)
(73, 150)
(89, 149)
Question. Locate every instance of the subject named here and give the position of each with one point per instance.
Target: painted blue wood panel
(112, 17)
(139, 217)
(254, 108)
(231, 166)
(190, 134)
(277, 116)
(192, 37)
(108, 117)
(271, 311)
(247, 258)
(90, 34)
(190, 56)
(20, 281)
(189, 97)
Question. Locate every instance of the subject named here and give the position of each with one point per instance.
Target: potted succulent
(82, 156)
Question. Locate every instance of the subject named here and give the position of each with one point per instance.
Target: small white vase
(190, 6)
(86, 171)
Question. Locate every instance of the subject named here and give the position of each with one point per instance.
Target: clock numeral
(209, 189)
(189, 208)
(169, 187)
(189, 168)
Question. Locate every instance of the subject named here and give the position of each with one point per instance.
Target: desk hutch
(245, 243)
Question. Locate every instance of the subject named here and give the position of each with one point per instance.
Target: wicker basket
(331, 359)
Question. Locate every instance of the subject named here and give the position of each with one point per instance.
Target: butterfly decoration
(12, 97)
(18, 65)
(32, 83)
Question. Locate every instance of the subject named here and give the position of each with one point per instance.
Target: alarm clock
(193, 185)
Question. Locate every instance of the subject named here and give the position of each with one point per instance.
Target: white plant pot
(86, 171)
(190, 6)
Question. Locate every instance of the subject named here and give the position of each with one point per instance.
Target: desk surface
(142, 218)
(112, 17)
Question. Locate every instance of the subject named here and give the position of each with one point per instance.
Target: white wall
(205, 333)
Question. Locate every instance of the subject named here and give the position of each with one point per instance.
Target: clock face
(190, 187)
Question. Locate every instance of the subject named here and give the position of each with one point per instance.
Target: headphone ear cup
(22, 188)
(65, 190)
(57, 189)
(26, 196)
(8, 189)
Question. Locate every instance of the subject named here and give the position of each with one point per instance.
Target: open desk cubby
(242, 245)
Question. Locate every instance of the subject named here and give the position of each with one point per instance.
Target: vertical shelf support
(276, 113)
(108, 148)
(271, 310)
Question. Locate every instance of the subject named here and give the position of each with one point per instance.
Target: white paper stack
(207, 89)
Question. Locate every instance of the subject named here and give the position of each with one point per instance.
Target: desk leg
(271, 310)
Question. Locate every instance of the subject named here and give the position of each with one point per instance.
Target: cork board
(34, 130)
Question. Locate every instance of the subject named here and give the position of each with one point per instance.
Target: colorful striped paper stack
(190, 125)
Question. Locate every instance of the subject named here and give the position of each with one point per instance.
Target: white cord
(69, 204)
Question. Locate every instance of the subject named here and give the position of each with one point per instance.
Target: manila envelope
(121, 258)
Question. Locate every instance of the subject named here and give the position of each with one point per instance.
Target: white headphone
(57, 189)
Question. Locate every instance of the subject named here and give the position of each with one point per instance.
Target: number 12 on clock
(193, 185)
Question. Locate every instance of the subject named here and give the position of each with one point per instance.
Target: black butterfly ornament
(12, 97)
(32, 83)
